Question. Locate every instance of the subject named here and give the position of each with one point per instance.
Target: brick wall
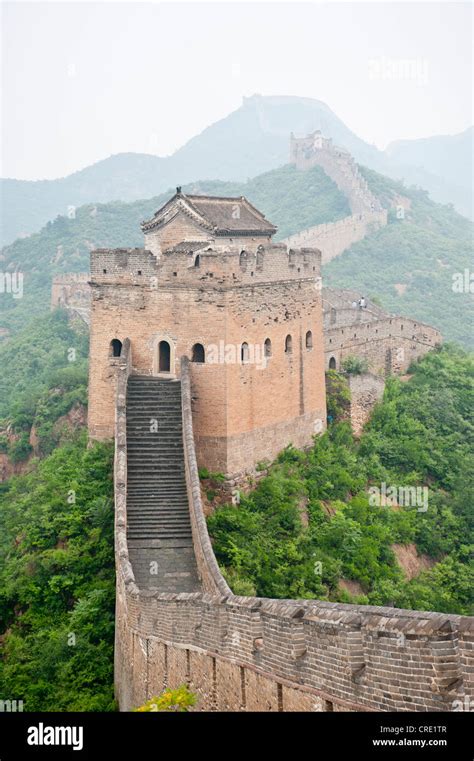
(332, 238)
(72, 291)
(252, 654)
(389, 345)
(243, 412)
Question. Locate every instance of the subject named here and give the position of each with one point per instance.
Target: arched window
(288, 345)
(244, 352)
(199, 355)
(267, 348)
(115, 348)
(309, 340)
(197, 261)
(332, 363)
(243, 259)
(260, 257)
(164, 357)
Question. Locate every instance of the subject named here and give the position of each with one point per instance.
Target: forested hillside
(310, 529)
(307, 530)
(57, 582)
(43, 375)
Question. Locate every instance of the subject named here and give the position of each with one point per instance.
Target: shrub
(355, 365)
(179, 700)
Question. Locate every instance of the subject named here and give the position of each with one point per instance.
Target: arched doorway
(332, 363)
(164, 357)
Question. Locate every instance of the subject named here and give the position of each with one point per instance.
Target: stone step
(164, 497)
(152, 509)
(153, 533)
(158, 522)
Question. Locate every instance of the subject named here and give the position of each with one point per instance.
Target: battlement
(332, 238)
(389, 344)
(195, 265)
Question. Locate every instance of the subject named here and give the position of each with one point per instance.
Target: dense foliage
(43, 374)
(57, 582)
(311, 523)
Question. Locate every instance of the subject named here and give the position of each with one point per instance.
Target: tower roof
(217, 214)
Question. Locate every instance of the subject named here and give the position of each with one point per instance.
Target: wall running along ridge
(252, 654)
(332, 238)
(367, 213)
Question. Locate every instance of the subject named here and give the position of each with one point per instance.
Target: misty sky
(82, 81)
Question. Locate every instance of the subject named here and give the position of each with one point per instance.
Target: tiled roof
(220, 215)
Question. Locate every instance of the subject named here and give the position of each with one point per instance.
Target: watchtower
(212, 285)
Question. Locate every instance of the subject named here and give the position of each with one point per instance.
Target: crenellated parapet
(211, 265)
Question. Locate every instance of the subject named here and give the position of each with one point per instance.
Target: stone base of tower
(232, 455)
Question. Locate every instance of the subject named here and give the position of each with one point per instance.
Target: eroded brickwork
(366, 390)
(72, 291)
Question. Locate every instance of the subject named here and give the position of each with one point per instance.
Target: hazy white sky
(84, 80)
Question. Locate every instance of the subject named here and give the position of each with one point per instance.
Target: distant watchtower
(211, 285)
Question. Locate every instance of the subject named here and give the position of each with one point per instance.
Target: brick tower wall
(243, 413)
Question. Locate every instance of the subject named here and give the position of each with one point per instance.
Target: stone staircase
(158, 522)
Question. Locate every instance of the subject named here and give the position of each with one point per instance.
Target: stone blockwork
(339, 165)
(389, 343)
(366, 390)
(251, 654)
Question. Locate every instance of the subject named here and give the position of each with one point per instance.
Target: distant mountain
(408, 265)
(249, 141)
(442, 164)
(27, 205)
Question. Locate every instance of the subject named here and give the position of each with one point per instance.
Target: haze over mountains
(249, 141)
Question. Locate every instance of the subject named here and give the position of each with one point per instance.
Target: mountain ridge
(249, 141)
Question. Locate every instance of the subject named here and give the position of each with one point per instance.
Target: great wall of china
(177, 620)
(384, 344)
(252, 654)
(367, 215)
